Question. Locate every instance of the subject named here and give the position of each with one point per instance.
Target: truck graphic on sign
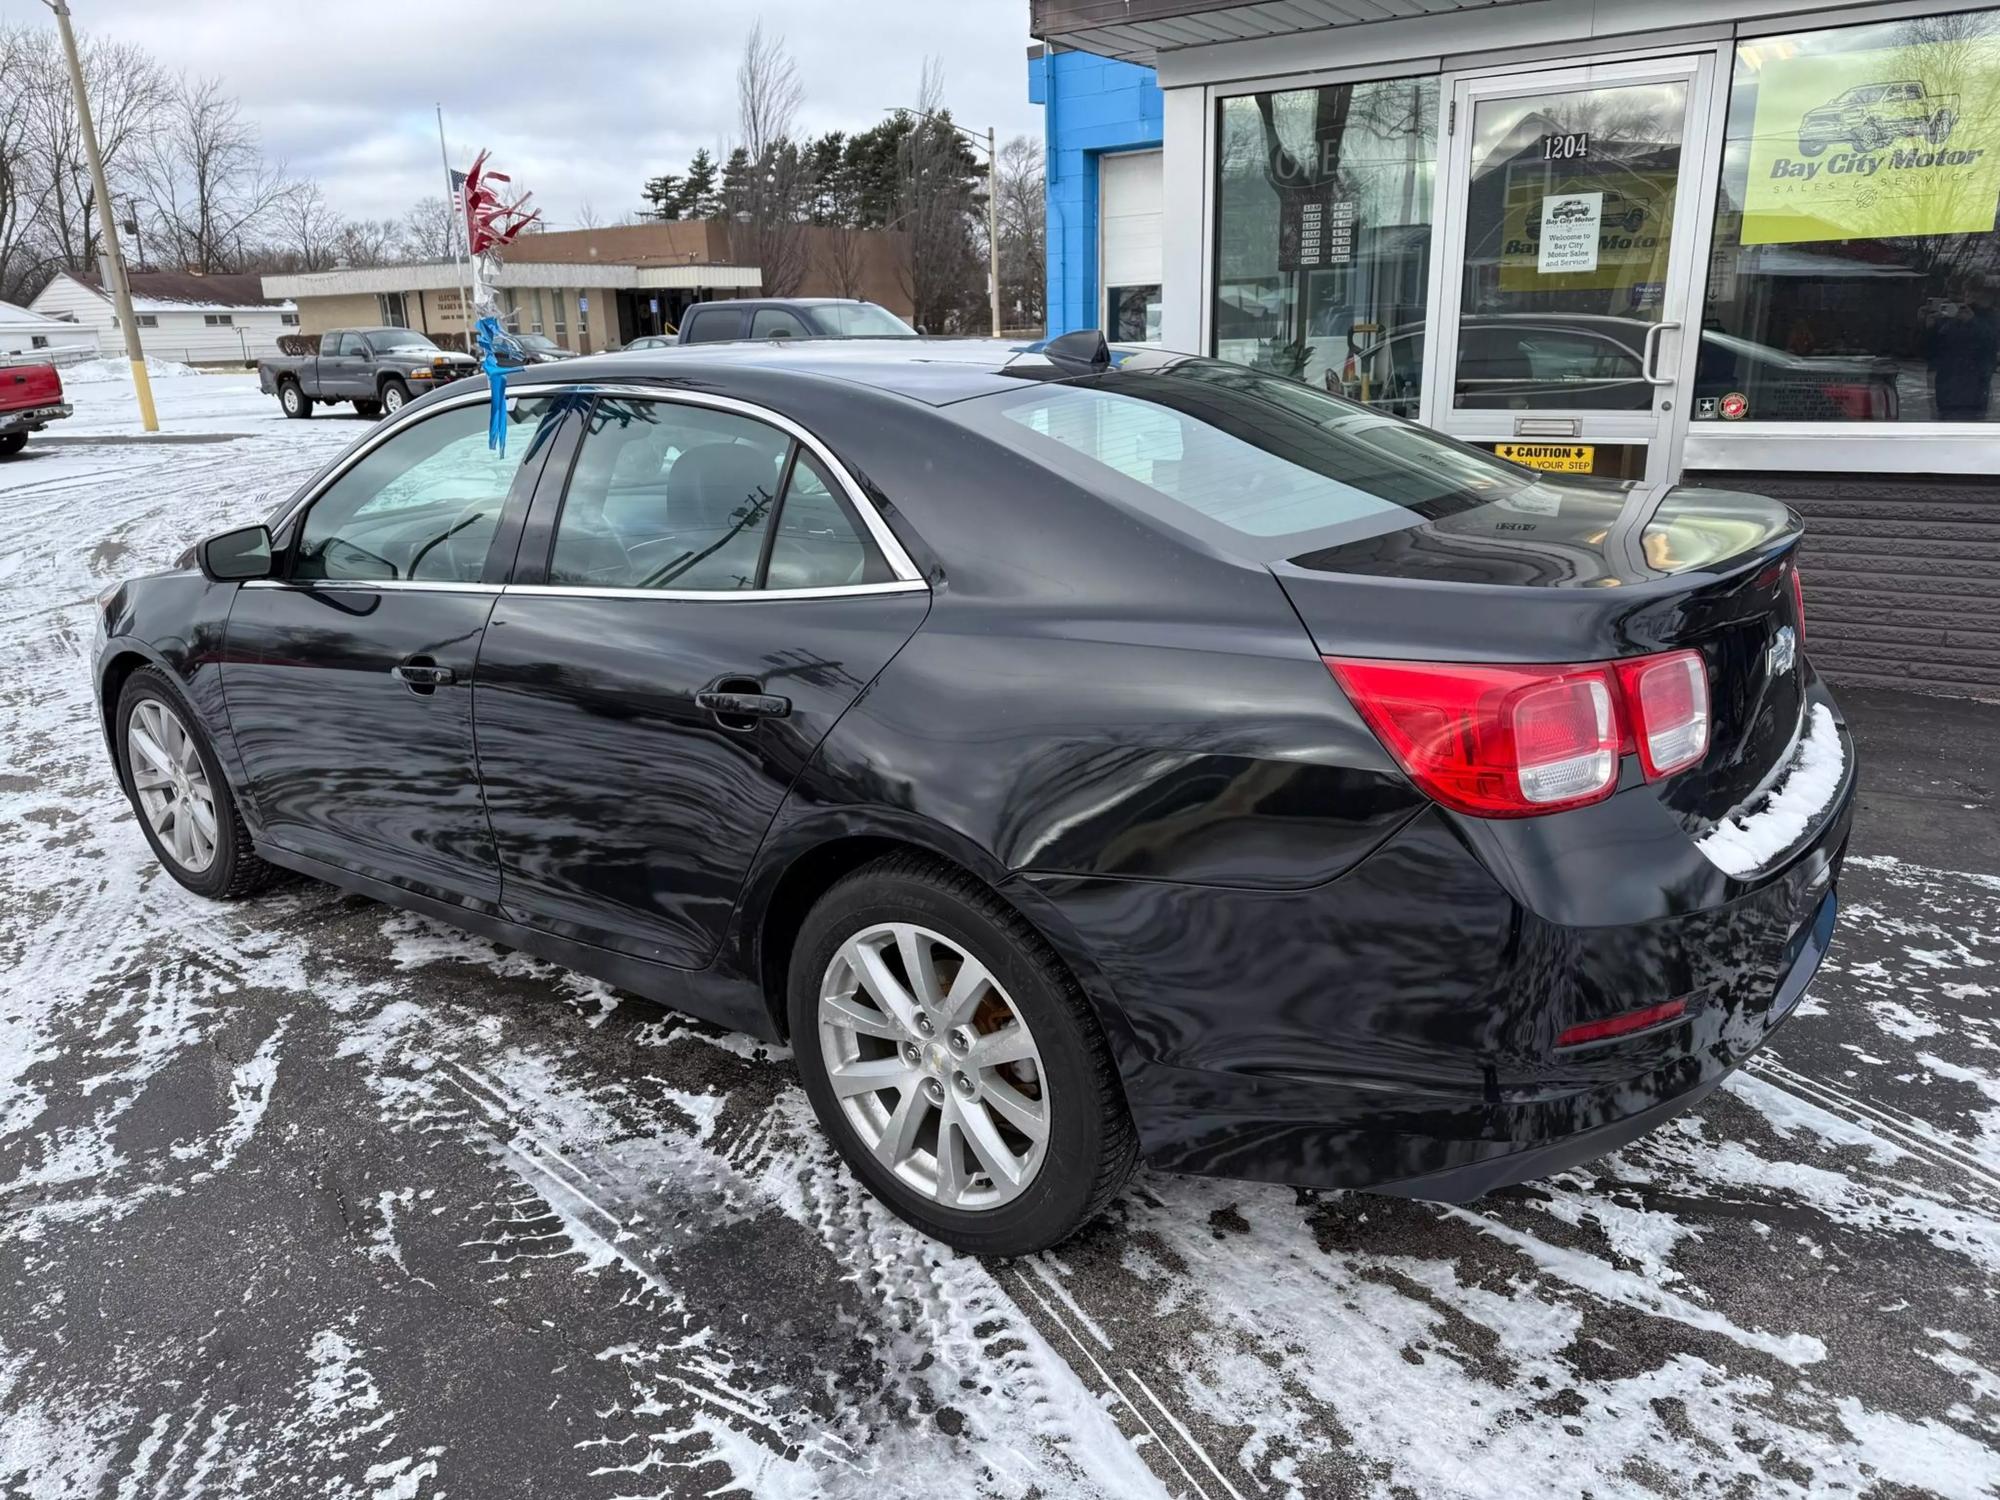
(1870, 116)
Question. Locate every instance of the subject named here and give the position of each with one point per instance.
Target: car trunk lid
(1564, 572)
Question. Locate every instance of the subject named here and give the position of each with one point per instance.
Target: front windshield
(399, 339)
(536, 341)
(861, 320)
(1233, 454)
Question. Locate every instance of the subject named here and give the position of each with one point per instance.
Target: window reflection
(1323, 223)
(1855, 264)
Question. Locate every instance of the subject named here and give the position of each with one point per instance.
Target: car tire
(292, 397)
(12, 443)
(218, 861)
(395, 396)
(1812, 148)
(370, 409)
(1068, 1087)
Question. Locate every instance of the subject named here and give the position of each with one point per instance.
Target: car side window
(423, 505)
(820, 542)
(668, 495)
(348, 343)
(777, 323)
(713, 327)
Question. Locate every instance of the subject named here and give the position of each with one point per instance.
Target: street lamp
(992, 204)
(114, 259)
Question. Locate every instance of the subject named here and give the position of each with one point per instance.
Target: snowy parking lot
(305, 1196)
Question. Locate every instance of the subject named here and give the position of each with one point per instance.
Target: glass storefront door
(1570, 263)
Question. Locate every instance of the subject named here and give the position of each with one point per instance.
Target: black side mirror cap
(234, 556)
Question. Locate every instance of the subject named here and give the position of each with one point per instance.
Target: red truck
(31, 397)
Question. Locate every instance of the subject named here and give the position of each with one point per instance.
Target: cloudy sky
(580, 100)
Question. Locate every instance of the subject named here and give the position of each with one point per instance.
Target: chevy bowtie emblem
(1784, 650)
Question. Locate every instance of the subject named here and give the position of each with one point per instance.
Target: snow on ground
(189, 403)
(306, 1196)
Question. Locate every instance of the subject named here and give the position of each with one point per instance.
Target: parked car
(540, 349)
(665, 340)
(1871, 116)
(380, 370)
(31, 397)
(790, 318)
(1596, 363)
(1075, 760)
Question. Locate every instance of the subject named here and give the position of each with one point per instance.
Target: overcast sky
(580, 100)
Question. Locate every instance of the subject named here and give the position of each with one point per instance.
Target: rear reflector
(1668, 698)
(1623, 1024)
(1799, 603)
(1514, 741)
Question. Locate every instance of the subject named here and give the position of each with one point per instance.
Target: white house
(182, 315)
(29, 333)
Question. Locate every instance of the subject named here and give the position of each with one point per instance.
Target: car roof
(778, 302)
(936, 371)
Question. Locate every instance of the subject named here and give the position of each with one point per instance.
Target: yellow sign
(1634, 226)
(1873, 145)
(1552, 458)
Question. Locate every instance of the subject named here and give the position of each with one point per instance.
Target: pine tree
(699, 198)
(664, 193)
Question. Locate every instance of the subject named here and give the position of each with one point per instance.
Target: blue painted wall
(1090, 106)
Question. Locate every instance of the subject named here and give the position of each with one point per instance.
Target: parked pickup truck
(780, 318)
(379, 369)
(31, 397)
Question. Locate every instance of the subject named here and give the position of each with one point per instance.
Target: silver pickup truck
(380, 370)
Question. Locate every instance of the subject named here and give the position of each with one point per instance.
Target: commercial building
(182, 315)
(595, 289)
(1749, 243)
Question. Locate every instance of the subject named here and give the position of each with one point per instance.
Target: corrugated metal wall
(1902, 576)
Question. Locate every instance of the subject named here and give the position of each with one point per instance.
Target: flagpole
(457, 200)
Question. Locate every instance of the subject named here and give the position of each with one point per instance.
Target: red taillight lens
(1514, 741)
(1799, 603)
(1856, 403)
(1498, 742)
(1667, 697)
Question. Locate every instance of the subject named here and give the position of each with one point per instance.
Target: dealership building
(1748, 244)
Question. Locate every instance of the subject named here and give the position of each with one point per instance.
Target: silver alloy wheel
(173, 787)
(933, 1066)
(392, 399)
(289, 397)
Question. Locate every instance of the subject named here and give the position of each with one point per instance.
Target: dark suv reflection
(1595, 363)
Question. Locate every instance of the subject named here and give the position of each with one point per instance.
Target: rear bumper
(33, 418)
(1394, 1029)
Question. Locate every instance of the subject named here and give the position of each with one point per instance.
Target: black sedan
(1075, 755)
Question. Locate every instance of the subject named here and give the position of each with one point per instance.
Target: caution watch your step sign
(1552, 458)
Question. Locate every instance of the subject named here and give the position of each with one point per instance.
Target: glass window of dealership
(1766, 251)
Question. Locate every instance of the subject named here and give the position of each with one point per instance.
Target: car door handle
(726, 706)
(422, 675)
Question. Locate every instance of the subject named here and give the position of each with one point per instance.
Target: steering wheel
(465, 520)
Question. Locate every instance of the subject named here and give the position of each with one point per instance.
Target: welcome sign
(1876, 145)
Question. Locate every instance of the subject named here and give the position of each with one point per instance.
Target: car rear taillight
(1668, 699)
(1515, 741)
(1625, 1023)
(1799, 604)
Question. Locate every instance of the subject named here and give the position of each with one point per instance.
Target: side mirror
(233, 556)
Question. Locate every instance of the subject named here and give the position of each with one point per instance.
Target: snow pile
(1744, 843)
(97, 371)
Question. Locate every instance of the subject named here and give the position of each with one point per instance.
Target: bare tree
(367, 242)
(842, 257)
(939, 271)
(1023, 189)
(306, 230)
(21, 254)
(430, 229)
(128, 93)
(210, 192)
(765, 198)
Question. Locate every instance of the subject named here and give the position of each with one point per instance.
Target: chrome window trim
(878, 529)
(723, 596)
(339, 585)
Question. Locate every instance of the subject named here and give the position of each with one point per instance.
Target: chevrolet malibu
(1076, 756)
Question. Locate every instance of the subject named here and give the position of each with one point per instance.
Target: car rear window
(1226, 450)
(861, 320)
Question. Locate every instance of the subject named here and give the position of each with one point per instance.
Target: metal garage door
(1128, 259)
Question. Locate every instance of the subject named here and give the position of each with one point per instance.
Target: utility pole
(993, 226)
(114, 259)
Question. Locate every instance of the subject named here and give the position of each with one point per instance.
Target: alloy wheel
(392, 400)
(175, 796)
(933, 1066)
